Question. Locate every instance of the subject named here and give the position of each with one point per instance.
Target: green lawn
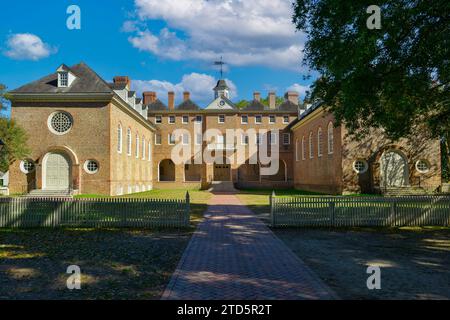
(198, 198)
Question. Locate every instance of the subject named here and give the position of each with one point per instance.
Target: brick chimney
(171, 100)
(148, 97)
(256, 96)
(292, 96)
(186, 95)
(272, 100)
(123, 80)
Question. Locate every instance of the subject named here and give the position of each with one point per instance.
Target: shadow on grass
(115, 264)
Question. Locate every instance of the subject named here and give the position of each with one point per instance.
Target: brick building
(90, 136)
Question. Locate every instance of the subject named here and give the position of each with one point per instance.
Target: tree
(15, 140)
(395, 77)
(265, 101)
(2, 95)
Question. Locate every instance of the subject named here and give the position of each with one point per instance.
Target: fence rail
(339, 211)
(95, 213)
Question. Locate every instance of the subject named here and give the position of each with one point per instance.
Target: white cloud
(199, 85)
(250, 32)
(301, 89)
(27, 46)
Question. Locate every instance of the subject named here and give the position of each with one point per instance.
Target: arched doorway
(166, 170)
(222, 170)
(394, 169)
(279, 176)
(57, 171)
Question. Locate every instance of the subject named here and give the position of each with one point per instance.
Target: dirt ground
(415, 264)
(115, 264)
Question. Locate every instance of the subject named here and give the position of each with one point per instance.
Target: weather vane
(221, 64)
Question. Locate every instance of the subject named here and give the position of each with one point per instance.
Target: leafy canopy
(394, 77)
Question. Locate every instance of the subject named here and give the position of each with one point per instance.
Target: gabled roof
(138, 100)
(117, 86)
(87, 81)
(157, 106)
(255, 105)
(131, 93)
(188, 105)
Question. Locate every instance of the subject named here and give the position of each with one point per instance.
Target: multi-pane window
(272, 119)
(129, 141)
(185, 139)
(319, 142)
(158, 119)
(221, 118)
(330, 138)
(258, 119)
(198, 139)
(149, 150)
(198, 119)
(303, 148)
(185, 119)
(285, 119)
(273, 138)
(244, 119)
(63, 79)
(311, 149)
(143, 148)
(360, 166)
(297, 151)
(119, 139)
(171, 119)
(286, 138)
(137, 146)
(157, 139)
(171, 138)
(244, 139)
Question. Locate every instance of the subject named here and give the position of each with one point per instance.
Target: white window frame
(129, 141)
(256, 117)
(149, 150)
(242, 119)
(143, 147)
(137, 146)
(274, 119)
(218, 119)
(303, 148)
(284, 120)
(330, 138)
(63, 79)
(273, 138)
(172, 117)
(288, 135)
(364, 170)
(319, 142)
(182, 119)
(311, 146)
(160, 117)
(244, 139)
(170, 135)
(197, 137)
(183, 141)
(297, 157)
(119, 138)
(201, 118)
(427, 163)
(156, 139)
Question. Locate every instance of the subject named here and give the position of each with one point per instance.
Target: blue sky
(160, 45)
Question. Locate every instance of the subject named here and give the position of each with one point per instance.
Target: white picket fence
(95, 213)
(342, 211)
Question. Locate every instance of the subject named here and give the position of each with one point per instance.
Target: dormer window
(63, 79)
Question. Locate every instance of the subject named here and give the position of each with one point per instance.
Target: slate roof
(138, 100)
(87, 81)
(255, 105)
(131, 93)
(157, 106)
(188, 105)
(288, 106)
(117, 86)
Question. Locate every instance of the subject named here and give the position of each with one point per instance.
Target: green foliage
(15, 140)
(265, 101)
(2, 96)
(394, 78)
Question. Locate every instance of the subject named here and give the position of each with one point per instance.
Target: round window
(60, 122)
(91, 166)
(422, 166)
(27, 166)
(360, 166)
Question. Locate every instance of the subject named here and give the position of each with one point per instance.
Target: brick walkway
(233, 255)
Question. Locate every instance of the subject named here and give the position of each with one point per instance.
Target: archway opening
(166, 170)
(57, 171)
(394, 169)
